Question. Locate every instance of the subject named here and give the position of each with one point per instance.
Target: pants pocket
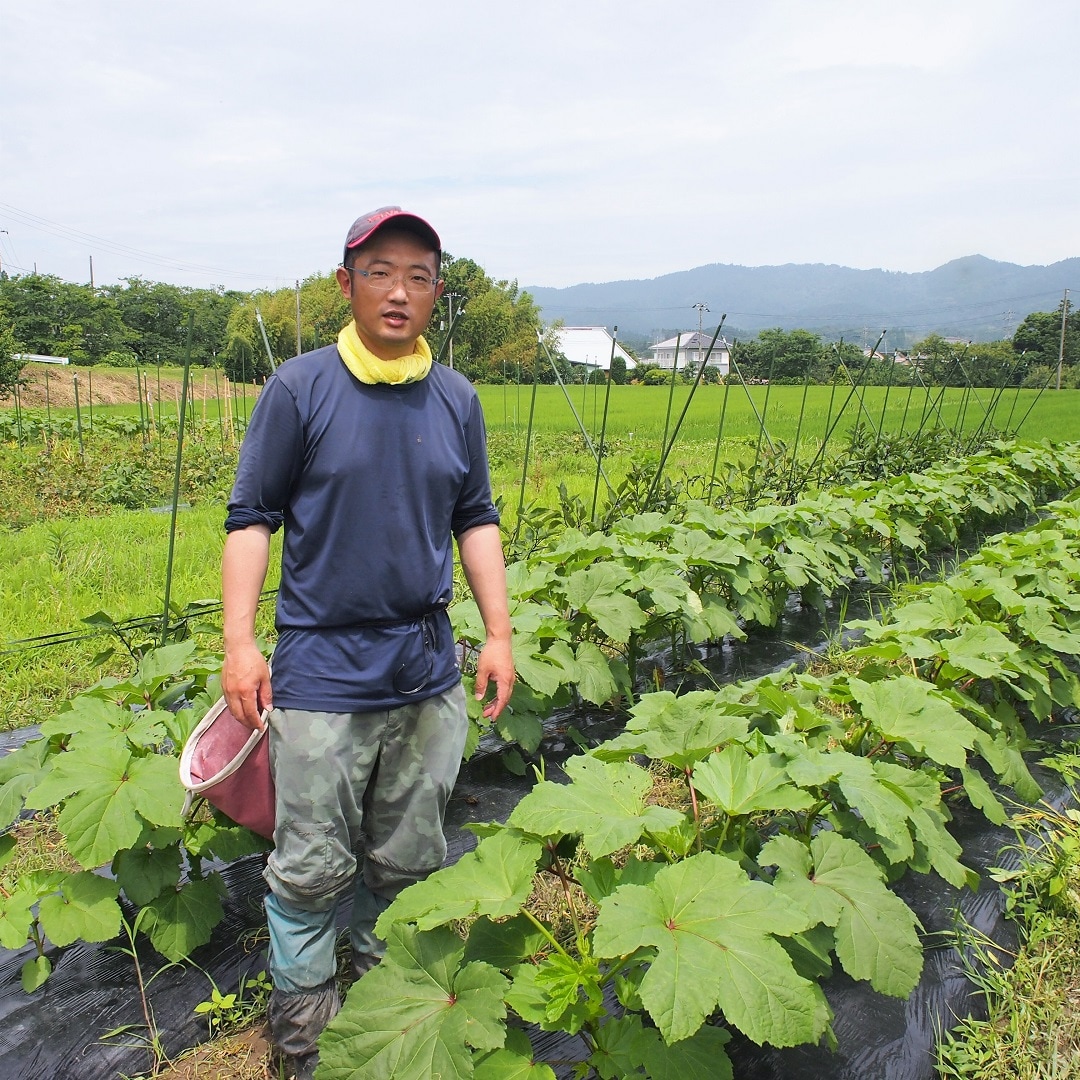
(310, 865)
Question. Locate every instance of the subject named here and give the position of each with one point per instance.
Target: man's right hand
(245, 682)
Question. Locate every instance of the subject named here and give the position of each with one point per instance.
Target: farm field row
(808, 747)
(57, 572)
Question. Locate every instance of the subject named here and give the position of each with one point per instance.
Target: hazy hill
(973, 297)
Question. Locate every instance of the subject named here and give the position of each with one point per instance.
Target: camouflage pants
(360, 803)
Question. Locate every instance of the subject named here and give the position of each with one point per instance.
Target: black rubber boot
(362, 963)
(297, 1021)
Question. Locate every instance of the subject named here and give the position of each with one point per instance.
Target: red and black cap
(365, 226)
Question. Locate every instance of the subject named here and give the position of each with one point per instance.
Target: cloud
(570, 142)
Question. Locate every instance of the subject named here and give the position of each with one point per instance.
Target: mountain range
(973, 298)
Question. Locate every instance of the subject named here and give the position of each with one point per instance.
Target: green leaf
(739, 783)
(494, 879)
(34, 973)
(909, 710)
(7, 849)
(599, 579)
(668, 592)
(524, 580)
(527, 998)
(884, 809)
(625, 1045)
(98, 819)
(842, 887)
(546, 671)
(714, 621)
(85, 714)
(599, 879)
(622, 1047)
(1008, 764)
(160, 664)
(16, 917)
(714, 931)
(513, 1062)
(604, 805)
(108, 794)
(679, 730)
(29, 758)
(571, 987)
(466, 621)
(943, 609)
(144, 872)
(982, 797)
(525, 729)
(84, 908)
(595, 681)
(700, 1057)
(602, 877)
(941, 847)
(979, 650)
(506, 943)
(616, 616)
(181, 920)
(13, 795)
(156, 791)
(415, 1016)
(231, 842)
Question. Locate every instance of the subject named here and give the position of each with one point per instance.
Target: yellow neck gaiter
(368, 368)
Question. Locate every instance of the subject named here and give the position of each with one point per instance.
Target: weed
(1031, 1032)
(227, 1013)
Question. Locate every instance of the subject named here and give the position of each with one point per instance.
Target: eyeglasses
(384, 281)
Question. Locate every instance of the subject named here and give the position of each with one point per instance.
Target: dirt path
(106, 386)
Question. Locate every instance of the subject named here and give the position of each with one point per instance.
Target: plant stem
(545, 931)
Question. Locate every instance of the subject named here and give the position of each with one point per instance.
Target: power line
(67, 232)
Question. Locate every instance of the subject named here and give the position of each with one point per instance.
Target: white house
(590, 345)
(693, 348)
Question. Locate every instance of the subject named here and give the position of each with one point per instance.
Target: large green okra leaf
(843, 888)
(493, 879)
(715, 931)
(107, 797)
(605, 804)
(417, 1014)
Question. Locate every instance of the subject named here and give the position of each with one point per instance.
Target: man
(373, 458)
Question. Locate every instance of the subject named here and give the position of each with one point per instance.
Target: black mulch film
(57, 1032)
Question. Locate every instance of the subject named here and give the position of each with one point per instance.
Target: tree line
(1029, 358)
(496, 328)
(140, 322)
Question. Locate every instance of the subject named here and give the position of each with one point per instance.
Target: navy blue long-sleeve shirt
(371, 484)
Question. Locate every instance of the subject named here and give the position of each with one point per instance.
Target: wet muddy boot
(297, 1021)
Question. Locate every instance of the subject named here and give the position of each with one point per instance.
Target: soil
(245, 1056)
(103, 386)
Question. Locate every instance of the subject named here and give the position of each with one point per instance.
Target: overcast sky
(232, 143)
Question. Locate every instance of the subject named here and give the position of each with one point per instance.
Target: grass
(639, 412)
(1032, 1031)
(56, 573)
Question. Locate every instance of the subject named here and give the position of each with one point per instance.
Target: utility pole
(1061, 347)
(1, 261)
(450, 298)
(299, 346)
(91, 271)
(701, 309)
